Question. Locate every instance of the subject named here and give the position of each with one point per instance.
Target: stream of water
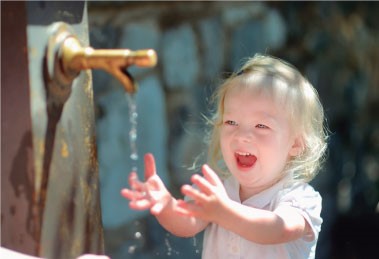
(133, 115)
(131, 99)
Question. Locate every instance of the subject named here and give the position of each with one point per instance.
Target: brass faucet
(74, 58)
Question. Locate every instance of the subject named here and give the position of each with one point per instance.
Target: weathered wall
(334, 44)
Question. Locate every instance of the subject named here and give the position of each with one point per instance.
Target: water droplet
(133, 135)
(134, 156)
(134, 115)
(132, 249)
(138, 235)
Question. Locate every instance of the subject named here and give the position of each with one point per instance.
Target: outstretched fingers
(197, 195)
(134, 183)
(203, 184)
(148, 194)
(151, 194)
(150, 168)
(210, 175)
(135, 187)
(142, 204)
(158, 194)
(128, 194)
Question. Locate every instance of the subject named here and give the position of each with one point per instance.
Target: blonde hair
(283, 82)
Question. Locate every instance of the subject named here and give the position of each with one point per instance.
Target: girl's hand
(151, 194)
(209, 201)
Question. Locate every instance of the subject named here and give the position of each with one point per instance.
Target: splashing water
(195, 245)
(132, 249)
(169, 248)
(131, 99)
(137, 235)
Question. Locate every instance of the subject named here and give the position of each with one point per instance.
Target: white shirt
(221, 243)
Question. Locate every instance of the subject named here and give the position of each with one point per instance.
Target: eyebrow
(261, 115)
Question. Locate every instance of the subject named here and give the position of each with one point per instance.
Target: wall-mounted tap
(75, 58)
(66, 57)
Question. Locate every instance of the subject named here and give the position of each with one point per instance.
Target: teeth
(243, 154)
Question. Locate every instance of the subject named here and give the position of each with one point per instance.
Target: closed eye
(230, 122)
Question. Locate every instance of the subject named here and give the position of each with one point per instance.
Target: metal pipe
(74, 58)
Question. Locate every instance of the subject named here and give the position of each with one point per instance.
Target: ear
(297, 147)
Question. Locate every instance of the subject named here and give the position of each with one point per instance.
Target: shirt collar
(259, 200)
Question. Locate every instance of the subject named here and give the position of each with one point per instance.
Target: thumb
(150, 169)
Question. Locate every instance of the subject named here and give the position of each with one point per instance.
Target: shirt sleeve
(308, 202)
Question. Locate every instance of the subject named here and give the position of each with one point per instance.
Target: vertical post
(65, 159)
(39, 138)
(18, 229)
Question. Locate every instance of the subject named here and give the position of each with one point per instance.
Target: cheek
(281, 150)
(224, 142)
(273, 148)
(223, 136)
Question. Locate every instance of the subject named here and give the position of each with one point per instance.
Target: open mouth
(245, 159)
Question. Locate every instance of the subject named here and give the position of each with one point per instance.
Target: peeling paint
(64, 149)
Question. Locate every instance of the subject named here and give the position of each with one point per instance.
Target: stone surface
(180, 57)
(212, 45)
(247, 39)
(140, 35)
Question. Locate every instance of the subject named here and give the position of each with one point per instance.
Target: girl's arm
(265, 227)
(152, 194)
(262, 226)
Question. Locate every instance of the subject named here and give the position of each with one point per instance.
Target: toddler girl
(267, 142)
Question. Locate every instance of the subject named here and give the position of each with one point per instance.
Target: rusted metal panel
(18, 229)
(51, 171)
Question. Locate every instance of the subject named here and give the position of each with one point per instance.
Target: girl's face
(256, 139)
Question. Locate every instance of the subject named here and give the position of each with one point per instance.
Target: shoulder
(304, 198)
(300, 195)
(299, 191)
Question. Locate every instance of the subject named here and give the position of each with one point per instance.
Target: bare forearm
(261, 226)
(179, 225)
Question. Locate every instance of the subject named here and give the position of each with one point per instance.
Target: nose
(244, 134)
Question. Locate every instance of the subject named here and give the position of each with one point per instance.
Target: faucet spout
(74, 58)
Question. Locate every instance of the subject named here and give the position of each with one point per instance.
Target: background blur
(335, 44)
